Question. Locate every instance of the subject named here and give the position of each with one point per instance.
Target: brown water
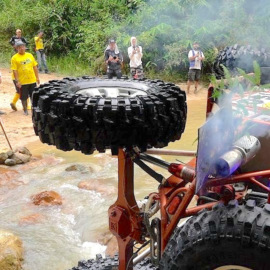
(69, 232)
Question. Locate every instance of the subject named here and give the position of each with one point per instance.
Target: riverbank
(19, 127)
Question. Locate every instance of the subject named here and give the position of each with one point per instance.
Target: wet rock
(23, 150)
(3, 158)
(78, 168)
(47, 198)
(10, 251)
(10, 153)
(10, 162)
(31, 219)
(109, 240)
(39, 163)
(7, 176)
(20, 158)
(97, 186)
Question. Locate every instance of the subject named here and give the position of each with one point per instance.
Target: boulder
(23, 150)
(10, 162)
(3, 158)
(10, 153)
(78, 168)
(47, 198)
(97, 186)
(10, 251)
(20, 158)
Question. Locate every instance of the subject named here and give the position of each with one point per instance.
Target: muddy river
(62, 235)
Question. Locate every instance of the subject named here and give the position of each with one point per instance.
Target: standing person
(113, 59)
(135, 56)
(41, 57)
(18, 37)
(0, 83)
(195, 57)
(24, 68)
(15, 39)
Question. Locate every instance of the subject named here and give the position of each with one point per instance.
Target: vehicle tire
(237, 235)
(110, 263)
(236, 56)
(90, 114)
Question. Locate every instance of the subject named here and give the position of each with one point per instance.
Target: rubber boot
(14, 101)
(28, 104)
(24, 104)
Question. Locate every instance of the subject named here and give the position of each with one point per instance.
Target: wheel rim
(232, 267)
(112, 92)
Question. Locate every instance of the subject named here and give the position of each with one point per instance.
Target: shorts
(114, 72)
(194, 74)
(138, 70)
(27, 90)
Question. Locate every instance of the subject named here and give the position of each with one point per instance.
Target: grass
(68, 65)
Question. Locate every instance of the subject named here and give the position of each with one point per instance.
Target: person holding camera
(195, 57)
(18, 37)
(41, 57)
(113, 59)
(135, 56)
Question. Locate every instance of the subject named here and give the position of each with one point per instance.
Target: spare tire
(90, 114)
(236, 56)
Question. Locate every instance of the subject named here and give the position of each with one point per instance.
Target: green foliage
(165, 29)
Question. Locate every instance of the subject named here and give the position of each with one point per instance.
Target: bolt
(113, 213)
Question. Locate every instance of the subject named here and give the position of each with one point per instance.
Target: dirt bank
(19, 127)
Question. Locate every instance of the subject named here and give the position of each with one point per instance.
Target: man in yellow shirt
(24, 68)
(41, 57)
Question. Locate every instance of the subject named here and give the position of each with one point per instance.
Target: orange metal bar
(194, 210)
(124, 218)
(168, 228)
(237, 178)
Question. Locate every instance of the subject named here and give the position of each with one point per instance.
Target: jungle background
(77, 32)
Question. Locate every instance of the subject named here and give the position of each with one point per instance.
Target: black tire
(109, 263)
(69, 120)
(236, 56)
(233, 235)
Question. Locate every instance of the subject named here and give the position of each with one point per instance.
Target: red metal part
(125, 221)
(175, 195)
(174, 205)
(183, 171)
(210, 101)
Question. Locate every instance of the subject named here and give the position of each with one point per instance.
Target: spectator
(195, 57)
(13, 41)
(0, 83)
(41, 57)
(17, 38)
(135, 56)
(113, 59)
(24, 68)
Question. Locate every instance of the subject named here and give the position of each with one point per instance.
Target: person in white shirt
(195, 57)
(135, 56)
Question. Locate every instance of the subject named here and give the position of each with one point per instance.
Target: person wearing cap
(15, 39)
(195, 57)
(113, 59)
(135, 56)
(41, 57)
(18, 37)
(24, 68)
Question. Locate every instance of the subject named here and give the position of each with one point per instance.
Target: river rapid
(62, 235)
